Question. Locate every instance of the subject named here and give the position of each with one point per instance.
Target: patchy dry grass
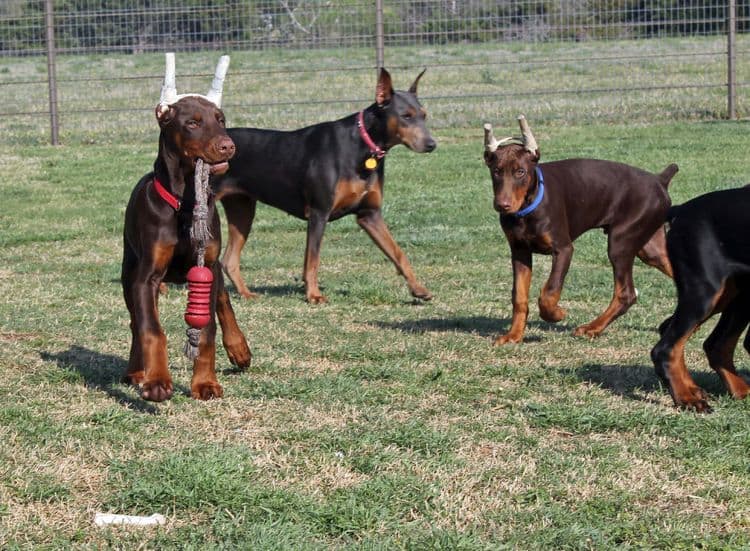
(371, 421)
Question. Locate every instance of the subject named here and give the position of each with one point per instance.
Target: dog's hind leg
(623, 296)
(654, 253)
(721, 343)
(240, 212)
(316, 223)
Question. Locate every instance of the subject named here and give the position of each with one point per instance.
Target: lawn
(372, 421)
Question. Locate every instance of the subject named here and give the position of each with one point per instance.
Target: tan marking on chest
(162, 255)
(349, 194)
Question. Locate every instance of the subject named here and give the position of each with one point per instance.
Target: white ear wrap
(528, 138)
(217, 86)
(169, 89)
(490, 143)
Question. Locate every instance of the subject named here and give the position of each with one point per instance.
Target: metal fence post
(731, 61)
(51, 71)
(379, 39)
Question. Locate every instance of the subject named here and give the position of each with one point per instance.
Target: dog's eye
(407, 116)
(192, 123)
(520, 173)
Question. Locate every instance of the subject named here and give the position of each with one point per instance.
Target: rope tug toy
(199, 277)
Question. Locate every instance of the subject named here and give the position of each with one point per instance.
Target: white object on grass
(104, 519)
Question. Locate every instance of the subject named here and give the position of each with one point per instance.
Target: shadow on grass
(100, 372)
(480, 325)
(270, 290)
(635, 382)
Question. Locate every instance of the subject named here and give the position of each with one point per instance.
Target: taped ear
(165, 114)
(384, 89)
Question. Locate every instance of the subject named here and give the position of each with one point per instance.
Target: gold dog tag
(371, 163)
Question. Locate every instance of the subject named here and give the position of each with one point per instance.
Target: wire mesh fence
(297, 62)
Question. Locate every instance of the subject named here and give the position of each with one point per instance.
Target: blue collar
(539, 196)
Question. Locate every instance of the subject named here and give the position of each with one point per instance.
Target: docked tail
(667, 174)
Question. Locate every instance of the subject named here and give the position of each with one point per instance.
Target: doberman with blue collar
(544, 208)
(707, 245)
(321, 173)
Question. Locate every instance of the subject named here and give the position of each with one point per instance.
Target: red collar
(173, 201)
(374, 149)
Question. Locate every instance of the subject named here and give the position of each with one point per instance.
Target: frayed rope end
(192, 342)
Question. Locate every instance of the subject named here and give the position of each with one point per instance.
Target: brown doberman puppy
(158, 247)
(321, 173)
(544, 208)
(707, 243)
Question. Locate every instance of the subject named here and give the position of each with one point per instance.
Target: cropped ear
(165, 114)
(384, 89)
(490, 157)
(413, 87)
(536, 155)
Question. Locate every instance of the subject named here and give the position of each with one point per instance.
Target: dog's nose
(430, 145)
(502, 205)
(226, 147)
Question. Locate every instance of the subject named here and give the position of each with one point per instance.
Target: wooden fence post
(379, 39)
(731, 61)
(51, 72)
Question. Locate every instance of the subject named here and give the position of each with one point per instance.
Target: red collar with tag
(374, 149)
(173, 201)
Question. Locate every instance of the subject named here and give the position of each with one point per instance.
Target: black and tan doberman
(321, 173)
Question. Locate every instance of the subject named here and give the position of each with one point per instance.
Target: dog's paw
(552, 315)
(207, 391)
(239, 353)
(507, 339)
(420, 292)
(247, 293)
(587, 330)
(134, 378)
(156, 391)
(692, 398)
(316, 298)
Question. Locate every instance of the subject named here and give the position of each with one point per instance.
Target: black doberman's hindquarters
(707, 244)
(321, 173)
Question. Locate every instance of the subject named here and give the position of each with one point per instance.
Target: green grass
(370, 422)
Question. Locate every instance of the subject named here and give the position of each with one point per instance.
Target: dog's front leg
(372, 222)
(550, 295)
(204, 385)
(153, 376)
(521, 257)
(316, 223)
(234, 340)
